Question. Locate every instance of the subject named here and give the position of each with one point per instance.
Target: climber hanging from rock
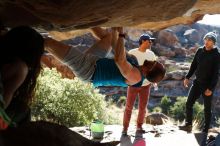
(93, 66)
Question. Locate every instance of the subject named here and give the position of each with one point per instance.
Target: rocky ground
(159, 131)
(161, 135)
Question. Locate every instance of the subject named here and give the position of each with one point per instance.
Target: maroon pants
(132, 92)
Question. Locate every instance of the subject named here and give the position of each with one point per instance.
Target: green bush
(177, 111)
(121, 101)
(165, 104)
(217, 121)
(68, 102)
(198, 112)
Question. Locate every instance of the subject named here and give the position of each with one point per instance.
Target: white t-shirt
(141, 57)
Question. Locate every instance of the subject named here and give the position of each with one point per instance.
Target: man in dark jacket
(205, 65)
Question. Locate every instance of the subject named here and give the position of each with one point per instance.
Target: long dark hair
(26, 44)
(156, 71)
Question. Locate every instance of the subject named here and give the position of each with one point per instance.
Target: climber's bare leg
(99, 32)
(103, 46)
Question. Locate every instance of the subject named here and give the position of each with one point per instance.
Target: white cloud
(211, 20)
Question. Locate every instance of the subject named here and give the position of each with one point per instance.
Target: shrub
(165, 104)
(198, 112)
(217, 121)
(157, 109)
(68, 102)
(177, 111)
(121, 101)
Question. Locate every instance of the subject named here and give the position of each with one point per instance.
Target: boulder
(167, 38)
(163, 50)
(176, 75)
(192, 35)
(170, 88)
(156, 119)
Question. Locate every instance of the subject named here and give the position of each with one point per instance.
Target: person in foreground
(90, 66)
(21, 50)
(42, 133)
(205, 65)
(142, 53)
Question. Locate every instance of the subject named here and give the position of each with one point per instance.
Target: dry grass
(118, 113)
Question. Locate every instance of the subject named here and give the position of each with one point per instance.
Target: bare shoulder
(22, 69)
(20, 66)
(16, 70)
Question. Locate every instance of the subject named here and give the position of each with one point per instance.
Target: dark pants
(195, 92)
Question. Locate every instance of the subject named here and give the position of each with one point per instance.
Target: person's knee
(142, 108)
(142, 105)
(207, 105)
(207, 109)
(129, 104)
(189, 105)
(128, 109)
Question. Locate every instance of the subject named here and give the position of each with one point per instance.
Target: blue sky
(211, 20)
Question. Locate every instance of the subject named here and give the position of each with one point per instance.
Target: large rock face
(66, 15)
(75, 14)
